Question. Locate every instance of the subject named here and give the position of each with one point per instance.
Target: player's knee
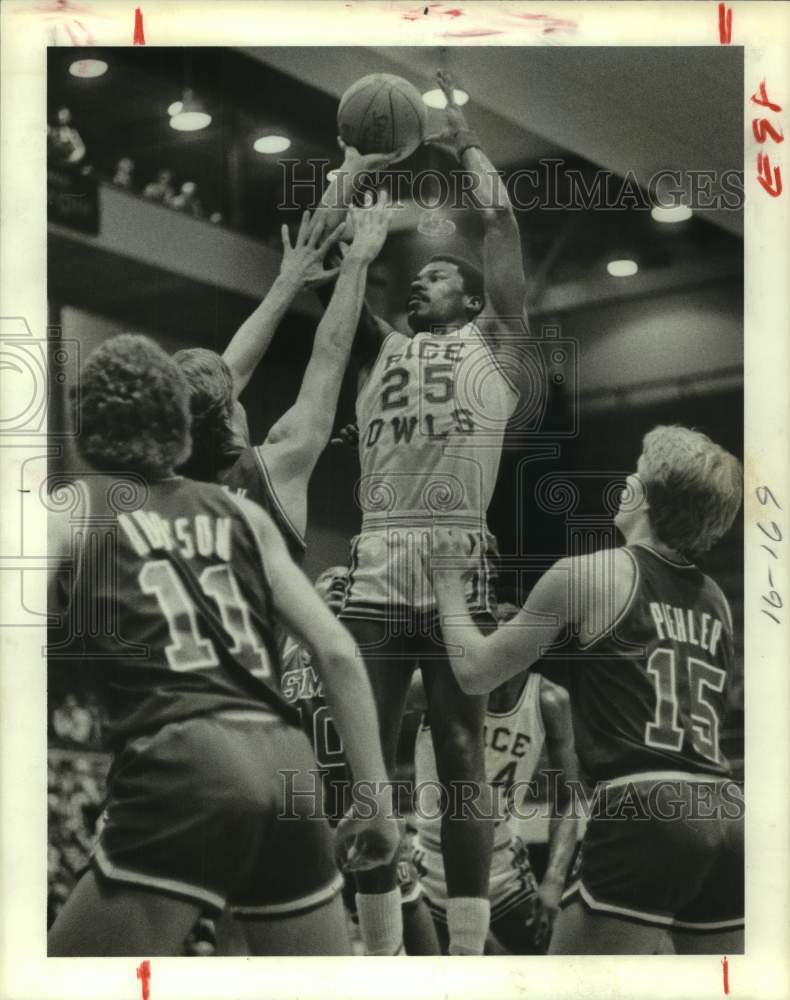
(459, 749)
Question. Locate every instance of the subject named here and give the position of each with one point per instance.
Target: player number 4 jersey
(513, 740)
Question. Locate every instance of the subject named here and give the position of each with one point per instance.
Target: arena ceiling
(637, 110)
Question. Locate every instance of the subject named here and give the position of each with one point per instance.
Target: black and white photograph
(395, 454)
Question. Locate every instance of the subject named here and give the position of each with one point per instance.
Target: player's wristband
(466, 139)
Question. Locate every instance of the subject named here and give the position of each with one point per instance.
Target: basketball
(381, 113)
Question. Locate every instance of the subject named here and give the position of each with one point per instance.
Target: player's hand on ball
(371, 224)
(302, 263)
(355, 162)
(456, 135)
(368, 842)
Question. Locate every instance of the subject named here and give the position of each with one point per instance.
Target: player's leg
(713, 923)
(288, 900)
(231, 937)
(173, 839)
(722, 943)
(104, 919)
(515, 930)
(389, 671)
(643, 861)
(419, 932)
(515, 903)
(577, 931)
(467, 824)
(419, 935)
(322, 931)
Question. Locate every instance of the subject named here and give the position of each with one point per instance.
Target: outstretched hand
(370, 224)
(456, 135)
(302, 263)
(355, 162)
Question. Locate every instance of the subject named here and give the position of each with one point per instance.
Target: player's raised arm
(505, 283)
(295, 442)
(301, 268)
(345, 681)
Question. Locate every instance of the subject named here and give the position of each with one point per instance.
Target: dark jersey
(650, 694)
(169, 600)
(246, 473)
(303, 688)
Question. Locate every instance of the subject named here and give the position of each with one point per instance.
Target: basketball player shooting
(432, 408)
(648, 642)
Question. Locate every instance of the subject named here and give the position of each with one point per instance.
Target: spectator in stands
(162, 189)
(187, 200)
(64, 143)
(124, 173)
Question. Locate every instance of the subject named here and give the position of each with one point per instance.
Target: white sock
(468, 918)
(380, 921)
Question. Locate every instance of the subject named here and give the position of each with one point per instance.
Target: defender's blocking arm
(301, 268)
(346, 684)
(295, 442)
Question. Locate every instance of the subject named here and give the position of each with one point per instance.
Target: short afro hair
(474, 283)
(134, 408)
(694, 488)
(211, 405)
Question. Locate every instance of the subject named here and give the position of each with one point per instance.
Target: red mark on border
(762, 127)
(771, 182)
(725, 972)
(773, 185)
(144, 974)
(139, 32)
(763, 99)
(725, 24)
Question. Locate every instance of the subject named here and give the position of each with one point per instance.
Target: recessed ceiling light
(86, 68)
(677, 213)
(175, 108)
(190, 121)
(436, 98)
(192, 115)
(271, 144)
(622, 268)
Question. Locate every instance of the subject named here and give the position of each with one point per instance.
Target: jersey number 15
(663, 732)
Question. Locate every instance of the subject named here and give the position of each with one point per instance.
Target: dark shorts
(201, 810)
(668, 852)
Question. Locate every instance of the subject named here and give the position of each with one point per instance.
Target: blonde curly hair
(694, 488)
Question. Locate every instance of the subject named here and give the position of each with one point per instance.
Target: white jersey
(514, 742)
(432, 418)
